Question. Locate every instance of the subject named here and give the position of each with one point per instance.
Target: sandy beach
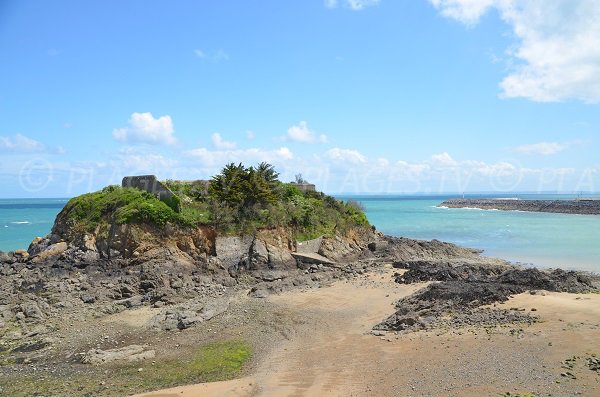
(334, 353)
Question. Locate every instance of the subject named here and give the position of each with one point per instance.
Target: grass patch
(209, 363)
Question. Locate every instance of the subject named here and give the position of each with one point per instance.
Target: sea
(21, 220)
(531, 238)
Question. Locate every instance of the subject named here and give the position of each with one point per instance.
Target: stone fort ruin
(150, 184)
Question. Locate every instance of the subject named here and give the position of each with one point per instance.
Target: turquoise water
(542, 239)
(21, 220)
(545, 240)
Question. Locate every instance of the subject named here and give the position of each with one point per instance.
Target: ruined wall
(305, 186)
(148, 183)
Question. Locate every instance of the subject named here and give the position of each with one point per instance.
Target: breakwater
(580, 206)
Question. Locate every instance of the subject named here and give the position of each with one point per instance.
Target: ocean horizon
(539, 239)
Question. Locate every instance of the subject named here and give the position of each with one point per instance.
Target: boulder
(50, 251)
(38, 245)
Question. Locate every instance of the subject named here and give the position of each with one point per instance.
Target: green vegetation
(238, 200)
(213, 362)
(122, 205)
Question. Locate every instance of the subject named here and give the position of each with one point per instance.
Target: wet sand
(335, 354)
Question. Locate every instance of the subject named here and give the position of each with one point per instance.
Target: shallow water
(542, 239)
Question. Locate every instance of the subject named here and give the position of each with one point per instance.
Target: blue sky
(357, 95)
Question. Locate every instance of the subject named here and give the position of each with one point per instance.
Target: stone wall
(148, 183)
(305, 186)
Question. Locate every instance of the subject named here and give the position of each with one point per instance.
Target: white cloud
(144, 128)
(136, 161)
(444, 159)
(466, 11)
(20, 143)
(557, 54)
(348, 155)
(544, 148)
(222, 144)
(301, 133)
(215, 56)
(355, 5)
(220, 157)
(250, 135)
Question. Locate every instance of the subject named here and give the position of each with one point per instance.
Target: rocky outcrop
(464, 288)
(584, 207)
(186, 315)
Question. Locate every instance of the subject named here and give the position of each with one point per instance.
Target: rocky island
(579, 206)
(277, 289)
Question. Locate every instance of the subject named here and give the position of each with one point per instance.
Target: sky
(375, 96)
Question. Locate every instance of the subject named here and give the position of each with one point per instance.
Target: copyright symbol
(35, 175)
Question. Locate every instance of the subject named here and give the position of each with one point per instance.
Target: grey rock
(280, 258)
(230, 249)
(186, 315)
(31, 310)
(134, 301)
(6, 257)
(87, 298)
(130, 353)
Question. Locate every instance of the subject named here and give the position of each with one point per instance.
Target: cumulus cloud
(144, 128)
(355, 5)
(20, 143)
(348, 155)
(220, 157)
(544, 148)
(301, 133)
(222, 144)
(557, 53)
